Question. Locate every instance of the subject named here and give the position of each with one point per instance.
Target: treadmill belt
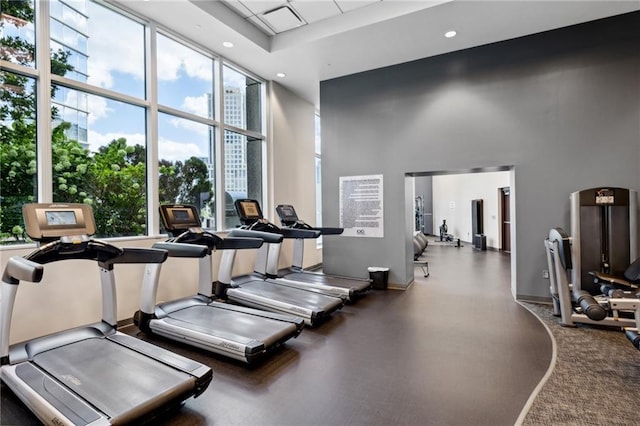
(238, 327)
(327, 280)
(116, 380)
(294, 296)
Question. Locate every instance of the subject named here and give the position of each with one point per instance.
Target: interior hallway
(454, 349)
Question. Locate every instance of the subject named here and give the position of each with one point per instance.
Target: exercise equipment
(266, 265)
(573, 305)
(604, 230)
(420, 243)
(444, 231)
(352, 287)
(237, 332)
(254, 290)
(91, 374)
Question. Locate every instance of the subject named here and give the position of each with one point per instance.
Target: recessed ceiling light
(450, 34)
(227, 44)
(281, 75)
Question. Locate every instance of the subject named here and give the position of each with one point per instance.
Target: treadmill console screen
(49, 221)
(180, 215)
(248, 210)
(176, 217)
(287, 213)
(60, 218)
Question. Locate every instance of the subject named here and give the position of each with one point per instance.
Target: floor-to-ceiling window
(243, 148)
(107, 106)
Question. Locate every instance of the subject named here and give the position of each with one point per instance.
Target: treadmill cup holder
(379, 277)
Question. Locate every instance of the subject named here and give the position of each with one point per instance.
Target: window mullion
(43, 99)
(153, 218)
(219, 150)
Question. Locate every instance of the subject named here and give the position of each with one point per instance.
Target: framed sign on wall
(362, 206)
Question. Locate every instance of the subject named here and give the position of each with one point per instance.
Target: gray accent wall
(560, 109)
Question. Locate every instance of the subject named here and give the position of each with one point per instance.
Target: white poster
(361, 206)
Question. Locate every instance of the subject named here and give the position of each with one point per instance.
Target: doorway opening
(453, 196)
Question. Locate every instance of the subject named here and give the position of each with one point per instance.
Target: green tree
(169, 181)
(118, 187)
(18, 167)
(196, 187)
(112, 180)
(185, 183)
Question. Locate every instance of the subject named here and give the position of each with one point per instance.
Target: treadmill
(266, 266)
(93, 374)
(255, 291)
(237, 332)
(289, 220)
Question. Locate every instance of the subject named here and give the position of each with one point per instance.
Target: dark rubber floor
(454, 349)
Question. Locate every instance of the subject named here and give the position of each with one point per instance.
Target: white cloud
(115, 44)
(196, 104)
(191, 126)
(174, 151)
(98, 108)
(174, 58)
(96, 140)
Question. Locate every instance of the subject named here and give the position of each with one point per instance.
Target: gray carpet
(595, 380)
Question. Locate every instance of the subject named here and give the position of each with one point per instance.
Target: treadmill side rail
(51, 402)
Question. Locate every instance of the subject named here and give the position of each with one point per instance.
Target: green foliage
(20, 9)
(185, 183)
(119, 188)
(17, 149)
(112, 180)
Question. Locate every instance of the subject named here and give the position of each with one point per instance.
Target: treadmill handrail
(231, 243)
(175, 249)
(300, 233)
(329, 230)
(198, 236)
(20, 269)
(267, 237)
(104, 253)
(324, 230)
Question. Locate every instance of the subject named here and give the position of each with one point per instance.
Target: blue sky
(116, 62)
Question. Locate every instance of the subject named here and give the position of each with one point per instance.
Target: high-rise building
(69, 33)
(235, 167)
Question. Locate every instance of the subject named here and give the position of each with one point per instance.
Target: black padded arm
(140, 255)
(239, 243)
(182, 249)
(300, 233)
(267, 237)
(330, 230)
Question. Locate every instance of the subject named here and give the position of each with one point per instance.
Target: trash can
(379, 277)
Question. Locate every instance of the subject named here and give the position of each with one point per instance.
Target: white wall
(70, 295)
(452, 195)
(293, 168)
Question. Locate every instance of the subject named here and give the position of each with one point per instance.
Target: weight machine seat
(630, 281)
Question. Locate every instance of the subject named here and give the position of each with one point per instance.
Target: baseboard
(534, 299)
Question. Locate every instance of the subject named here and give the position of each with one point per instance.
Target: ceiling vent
(282, 19)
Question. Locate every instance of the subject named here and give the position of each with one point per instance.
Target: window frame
(45, 80)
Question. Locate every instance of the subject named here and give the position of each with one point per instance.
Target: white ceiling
(357, 35)
(275, 17)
